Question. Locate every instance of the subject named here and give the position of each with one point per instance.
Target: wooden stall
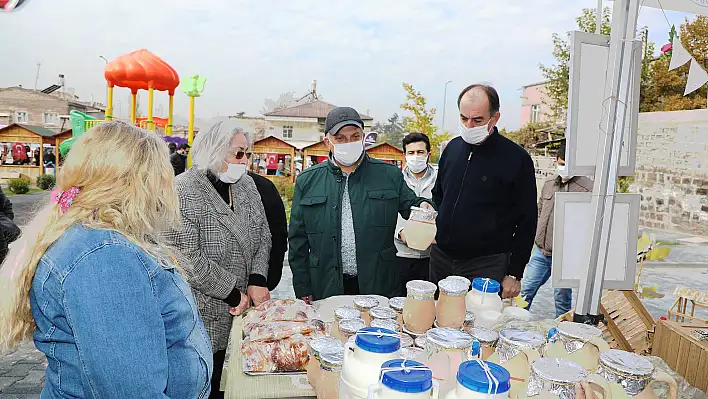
(387, 152)
(318, 149)
(28, 135)
(273, 145)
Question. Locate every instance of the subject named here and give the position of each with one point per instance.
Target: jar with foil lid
(327, 386)
(349, 327)
(445, 350)
(451, 309)
(556, 379)
(389, 324)
(469, 322)
(631, 375)
(364, 304)
(419, 309)
(579, 343)
(343, 313)
(381, 312)
(317, 346)
(516, 350)
(397, 303)
(487, 338)
(420, 342)
(420, 228)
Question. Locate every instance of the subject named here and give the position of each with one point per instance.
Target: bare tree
(284, 100)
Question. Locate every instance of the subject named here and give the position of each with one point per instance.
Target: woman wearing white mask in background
(224, 234)
(414, 264)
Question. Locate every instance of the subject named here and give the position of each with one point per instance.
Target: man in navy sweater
(486, 197)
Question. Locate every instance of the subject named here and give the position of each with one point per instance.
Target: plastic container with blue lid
(471, 375)
(377, 340)
(410, 381)
(492, 285)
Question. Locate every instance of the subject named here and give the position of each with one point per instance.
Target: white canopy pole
(598, 21)
(624, 20)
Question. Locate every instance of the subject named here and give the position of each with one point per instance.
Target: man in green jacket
(343, 217)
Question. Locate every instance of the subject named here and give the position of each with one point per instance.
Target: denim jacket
(115, 323)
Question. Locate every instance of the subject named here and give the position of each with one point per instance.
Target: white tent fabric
(697, 77)
(699, 7)
(679, 55)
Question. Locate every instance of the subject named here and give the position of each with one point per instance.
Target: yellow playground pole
(133, 101)
(168, 128)
(109, 104)
(150, 123)
(190, 134)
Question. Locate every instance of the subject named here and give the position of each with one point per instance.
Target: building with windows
(303, 124)
(534, 104)
(47, 110)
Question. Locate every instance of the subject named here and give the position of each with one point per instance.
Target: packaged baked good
(283, 311)
(286, 355)
(280, 330)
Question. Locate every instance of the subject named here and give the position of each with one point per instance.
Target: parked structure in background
(534, 104)
(39, 108)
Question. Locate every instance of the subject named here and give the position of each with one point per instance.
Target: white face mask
(348, 153)
(234, 171)
(473, 135)
(563, 172)
(416, 163)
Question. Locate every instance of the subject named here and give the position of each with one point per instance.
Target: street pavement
(22, 371)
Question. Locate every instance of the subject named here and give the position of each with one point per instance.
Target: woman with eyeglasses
(224, 234)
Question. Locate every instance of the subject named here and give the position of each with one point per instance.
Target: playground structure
(140, 70)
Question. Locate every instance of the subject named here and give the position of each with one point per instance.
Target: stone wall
(672, 171)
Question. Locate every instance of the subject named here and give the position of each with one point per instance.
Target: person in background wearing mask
(224, 234)
(343, 217)
(413, 264)
(486, 195)
(538, 270)
(179, 159)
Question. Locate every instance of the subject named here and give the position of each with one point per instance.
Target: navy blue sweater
(486, 198)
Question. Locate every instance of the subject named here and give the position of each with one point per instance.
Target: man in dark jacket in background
(179, 159)
(9, 231)
(278, 224)
(486, 198)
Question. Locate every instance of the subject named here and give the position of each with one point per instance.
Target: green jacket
(377, 193)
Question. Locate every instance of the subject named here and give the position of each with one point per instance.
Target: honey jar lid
(421, 287)
(584, 332)
(351, 326)
(389, 324)
(448, 338)
(322, 344)
(332, 359)
(484, 335)
(453, 287)
(346, 312)
(407, 376)
(472, 375)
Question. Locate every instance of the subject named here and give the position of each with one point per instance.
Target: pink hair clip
(64, 198)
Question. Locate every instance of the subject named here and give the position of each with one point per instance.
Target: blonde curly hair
(126, 184)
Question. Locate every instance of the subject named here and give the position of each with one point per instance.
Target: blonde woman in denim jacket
(92, 283)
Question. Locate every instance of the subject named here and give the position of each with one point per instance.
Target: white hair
(211, 148)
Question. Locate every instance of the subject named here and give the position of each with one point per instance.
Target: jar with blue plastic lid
(473, 382)
(404, 379)
(484, 297)
(363, 359)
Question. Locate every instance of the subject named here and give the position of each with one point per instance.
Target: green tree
(391, 132)
(663, 90)
(422, 119)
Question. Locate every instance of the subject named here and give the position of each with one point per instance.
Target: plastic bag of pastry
(258, 356)
(291, 354)
(276, 302)
(298, 311)
(280, 330)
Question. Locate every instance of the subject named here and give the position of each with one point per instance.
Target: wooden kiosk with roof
(387, 152)
(273, 145)
(33, 136)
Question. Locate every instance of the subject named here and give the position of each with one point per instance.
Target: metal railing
(88, 124)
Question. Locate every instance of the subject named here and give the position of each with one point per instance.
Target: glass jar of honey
(364, 304)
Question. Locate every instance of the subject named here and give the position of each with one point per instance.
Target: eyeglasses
(239, 155)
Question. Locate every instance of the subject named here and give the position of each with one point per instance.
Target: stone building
(672, 171)
(27, 106)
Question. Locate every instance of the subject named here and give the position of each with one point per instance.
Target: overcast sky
(359, 51)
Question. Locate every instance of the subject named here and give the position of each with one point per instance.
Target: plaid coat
(219, 248)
